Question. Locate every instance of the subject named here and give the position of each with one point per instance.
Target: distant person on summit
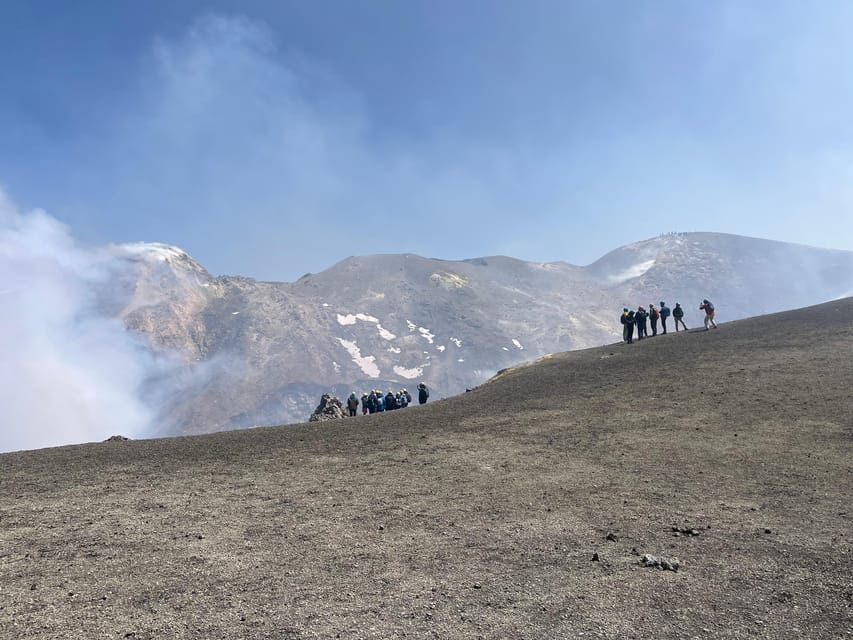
(624, 320)
(423, 393)
(664, 314)
(708, 308)
(654, 314)
(365, 401)
(678, 314)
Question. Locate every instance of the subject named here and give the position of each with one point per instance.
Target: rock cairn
(330, 408)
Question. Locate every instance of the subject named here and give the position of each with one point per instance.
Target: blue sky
(269, 139)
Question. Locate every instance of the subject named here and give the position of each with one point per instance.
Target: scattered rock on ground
(330, 408)
(666, 564)
(116, 438)
(685, 531)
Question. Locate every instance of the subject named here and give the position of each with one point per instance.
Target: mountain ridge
(269, 349)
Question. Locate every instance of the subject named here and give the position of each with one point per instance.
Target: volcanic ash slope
(476, 516)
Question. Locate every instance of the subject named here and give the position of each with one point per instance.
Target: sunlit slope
(474, 516)
(264, 352)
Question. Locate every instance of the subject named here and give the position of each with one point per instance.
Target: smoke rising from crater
(71, 372)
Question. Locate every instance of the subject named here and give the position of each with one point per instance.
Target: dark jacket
(678, 312)
(423, 393)
(640, 317)
(390, 402)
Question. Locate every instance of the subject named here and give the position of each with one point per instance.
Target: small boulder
(665, 564)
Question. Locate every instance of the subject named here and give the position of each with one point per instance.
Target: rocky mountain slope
(474, 516)
(263, 352)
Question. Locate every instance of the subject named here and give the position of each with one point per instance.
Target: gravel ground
(520, 510)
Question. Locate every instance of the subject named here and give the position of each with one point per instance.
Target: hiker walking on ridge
(624, 320)
(708, 308)
(640, 320)
(678, 314)
(664, 314)
(654, 314)
(352, 404)
(423, 393)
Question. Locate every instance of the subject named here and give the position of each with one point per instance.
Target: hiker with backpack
(380, 402)
(390, 401)
(364, 401)
(629, 328)
(352, 404)
(654, 314)
(678, 314)
(708, 308)
(624, 320)
(402, 399)
(640, 320)
(664, 314)
(423, 393)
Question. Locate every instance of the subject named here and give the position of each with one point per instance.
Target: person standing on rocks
(624, 320)
(664, 314)
(708, 308)
(423, 393)
(654, 314)
(678, 315)
(640, 320)
(352, 404)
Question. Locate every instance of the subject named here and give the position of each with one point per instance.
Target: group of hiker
(637, 320)
(376, 402)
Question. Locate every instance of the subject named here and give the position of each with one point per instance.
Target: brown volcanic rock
(475, 515)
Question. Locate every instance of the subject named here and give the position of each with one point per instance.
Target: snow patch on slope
(366, 363)
(385, 333)
(351, 318)
(426, 334)
(517, 343)
(409, 374)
